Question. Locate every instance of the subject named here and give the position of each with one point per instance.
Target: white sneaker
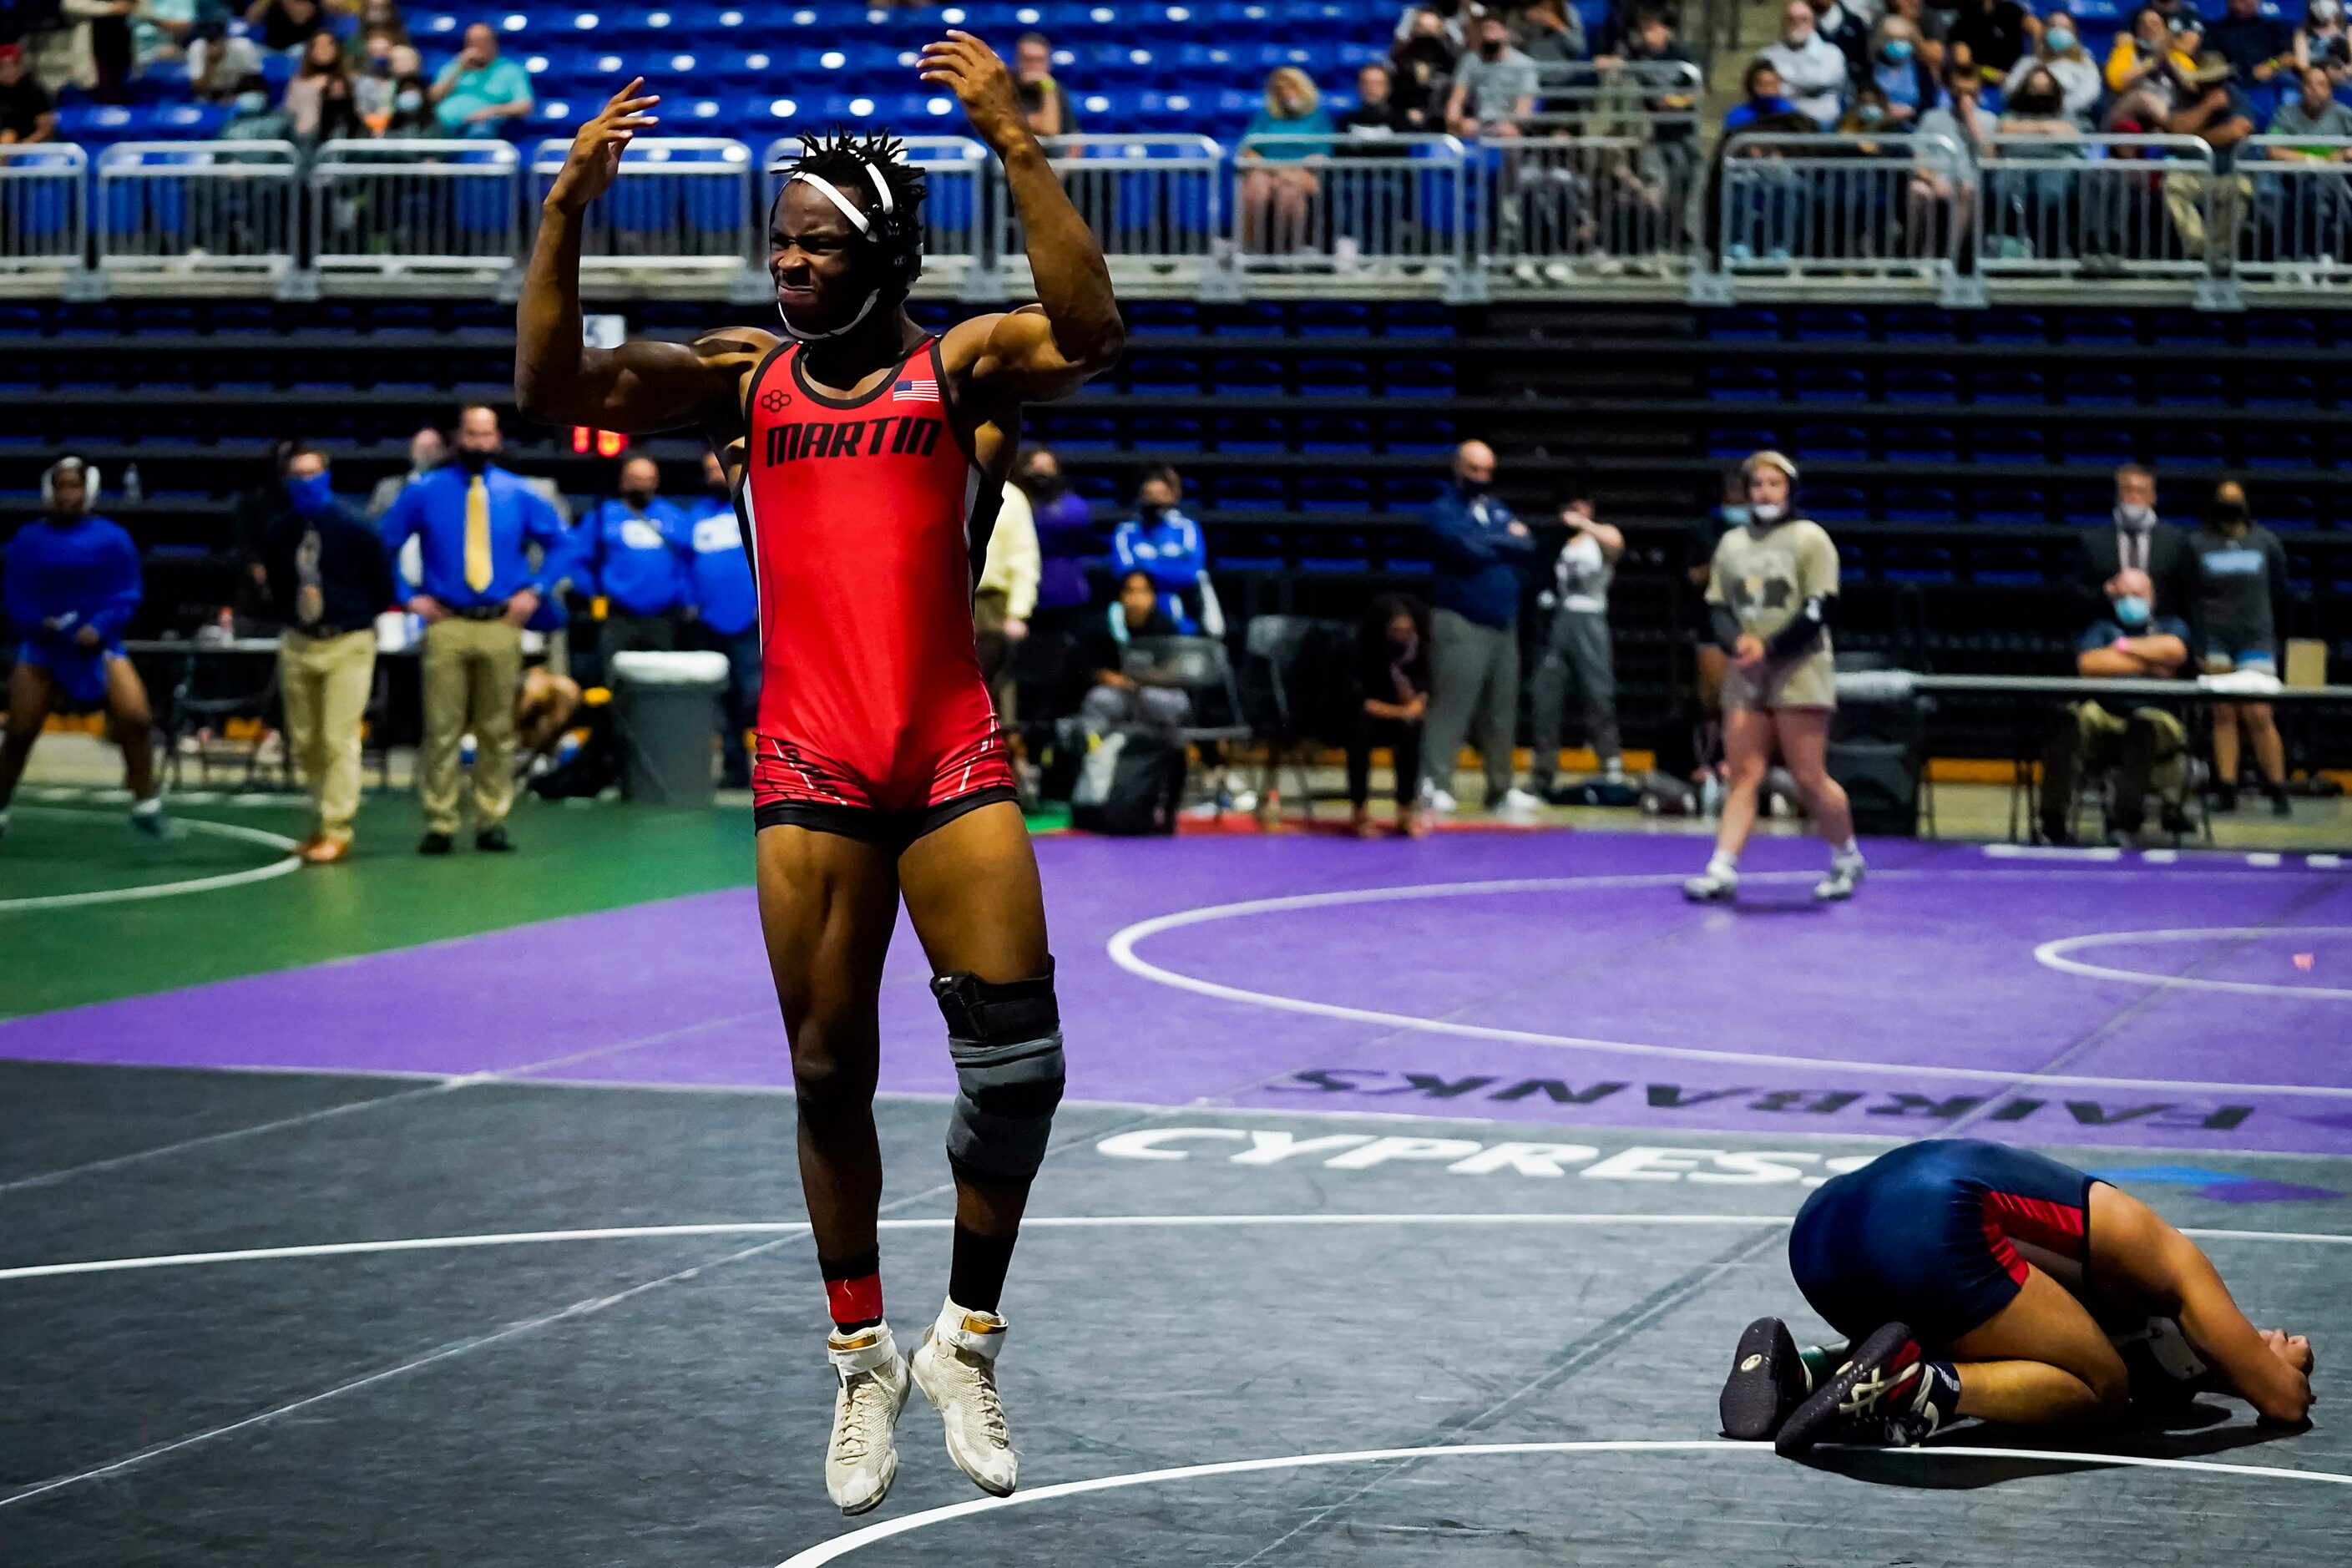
(1517, 803)
(1844, 876)
(1713, 886)
(1437, 800)
(955, 1366)
(861, 1459)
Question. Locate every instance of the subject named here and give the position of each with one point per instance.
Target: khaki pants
(471, 672)
(325, 683)
(2149, 751)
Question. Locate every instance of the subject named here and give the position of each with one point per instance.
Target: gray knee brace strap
(1007, 1044)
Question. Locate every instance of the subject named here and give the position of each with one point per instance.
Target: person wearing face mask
(412, 100)
(2134, 580)
(2322, 40)
(329, 579)
(1392, 702)
(252, 117)
(1813, 71)
(1494, 85)
(726, 612)
(476, 523)
(1838, 23)
(2059, 52)
(426, 452)
(1067, 540)
(2241, 597)
(373, 83)
(1166, 545)
(637, 554)
(1770, 593)
(1477, 552)
(1423, 58)
(1901, 74)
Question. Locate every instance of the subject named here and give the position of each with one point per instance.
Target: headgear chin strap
(865, 227)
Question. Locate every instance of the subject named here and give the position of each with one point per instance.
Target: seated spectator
(1550, 32)
(413, 118)
(1847, 31)
(1867, 115)
(2059, 52)
(1044, 103)
(252, 117)
(1377, 115)
(319, 103)
(1812, 71)
(1423, 58)
(2144, 58)
(161, 30)
(1391, 703)
(477, 90)
(1494, 85)
(1449, 19)
(2137, 579)
(28, 113)
(1650, 38)
(2257, 46)
(727, 614)
(1991, 35)
(1959, 117)
(2322, 40)
(2241, 598)
(1166, 546)
(2210, 107)
(1121, 691)
(218, 61)
(373, 83)
(1763, 99)
(380, 17)
(286, 24)
(1280, 179)
(1901, 75)
(638, 552)
(2037, 107)
(2315, 113)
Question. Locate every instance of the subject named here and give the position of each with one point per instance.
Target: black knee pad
(1007, 1044)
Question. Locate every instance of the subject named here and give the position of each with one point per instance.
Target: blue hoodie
(63, 578)
(729, 600)
(640, 560)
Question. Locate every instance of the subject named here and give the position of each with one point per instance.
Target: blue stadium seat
(1167, 433)
(1247, 378)
(1744, 383)
(1163, 375)
(2194, 446)
(1334, 492)
(1334, 378)
(2097, 445)
(1836, 503)
(1832, 384)
(1073, 429)
(744, 69)
(2288, 511)
(1738, 442)
(2014, 506)
(1257, 318)
(2188, 389)
(1327, 434)
(1828, 326)
(2271, 327)
(2008, 386)
(2012, 327)
(1832, 443)
(1249, 433)
(1915, 325)
(2280, 449)
(1164, 317)
(2009, 444)
(1921, 444)
(1253, 492)
(2097, 386)
(1427, 436)
(1333, 319)
(1907, 385)
(2279, 389)
(2097, 327)
(1411, 492)
(1420, 378)
(1919, 503)
(1411, 319)
(1756, 324)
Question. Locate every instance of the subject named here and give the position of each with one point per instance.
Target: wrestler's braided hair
(843, 157)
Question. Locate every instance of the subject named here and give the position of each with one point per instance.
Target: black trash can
(665, 708)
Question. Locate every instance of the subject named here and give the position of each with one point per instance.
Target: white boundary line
(1051, 1221)
(842, 1546)
(2053, 955)
(1122, 945)
(166, 890)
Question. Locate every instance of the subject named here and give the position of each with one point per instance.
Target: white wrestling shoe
(955, 1366)
(1718, 884)
(861, 1459)
(1845, 875)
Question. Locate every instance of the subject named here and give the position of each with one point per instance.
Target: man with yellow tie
(473, 520)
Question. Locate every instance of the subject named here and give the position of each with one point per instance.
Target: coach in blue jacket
(1477, 551)
(640, 557)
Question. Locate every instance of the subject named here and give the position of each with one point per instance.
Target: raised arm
(1073, 333)
(644, 385)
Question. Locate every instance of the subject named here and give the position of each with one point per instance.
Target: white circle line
(1048, 1222)
(843, 1545)
(291, 863)
(2053, 955)
(1122, 945)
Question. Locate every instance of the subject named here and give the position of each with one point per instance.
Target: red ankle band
(857, 1301)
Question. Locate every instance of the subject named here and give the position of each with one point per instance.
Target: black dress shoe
(493, 841)
(434, 843)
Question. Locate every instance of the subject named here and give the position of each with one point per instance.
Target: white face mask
(2136, 518)
(1767, 513)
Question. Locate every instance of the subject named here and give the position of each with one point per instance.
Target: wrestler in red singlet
(862, 521)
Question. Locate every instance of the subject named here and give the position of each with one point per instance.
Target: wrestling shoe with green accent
(1768, 1381)
(1887, 1395)
(861, 1459)
(955, 1366)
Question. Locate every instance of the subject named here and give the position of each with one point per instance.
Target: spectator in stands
(2257, 46)
(1494, 85)
(252, 117)
(2059, 52)
(1845, 29)
(1649, 38)
(2144, 58)
(1377, 114)
(379, 19)
(1121, 692)
(2037, 107)
(1578, 649)
(28, 113)
(1423, 58)
(727, 614)
(476, 520)
(2242, 598)
(329, 580)
(1812, 71)
(1477, 550)
(1067, 540)
(478, 89)
(1992, 35)
(286, 24)
(1866, 114)
(72, 584)
(2322, 40)
(161, 30)
(1043, 101)
(1770, 593)
(218, 61)
(1391, 704)
(1280, 179)
(2314, 113)
(426, 452)
(1006, 596)
(1959, 116)
(1898, 72)
(1166, 546)
(319, 103)
(2210, 107)
(638, 552)
(413, 118)
(374, 82)
(1449, 19)
(1763, 99)
(2135, 583)
(1550, 32)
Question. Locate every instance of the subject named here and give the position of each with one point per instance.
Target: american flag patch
(919, 390)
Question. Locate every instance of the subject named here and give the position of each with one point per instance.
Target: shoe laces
(975, 1395)
(866, 1424)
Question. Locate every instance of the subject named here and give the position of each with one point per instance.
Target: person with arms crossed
(2242, 592)
(869, 458)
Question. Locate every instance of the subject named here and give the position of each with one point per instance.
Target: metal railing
(1841, 209)
(391, 207)
(959, 229)
(2298, 231)
(1550, 210)
(1642, 97)
(680, 203)
(2103, 207)
(1156, 205)
(209, 208)
(44, 208)
(1391, 209)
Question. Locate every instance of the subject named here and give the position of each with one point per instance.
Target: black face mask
(639, 498)
(473, 462)
(1042, 484)
(2229, 515)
